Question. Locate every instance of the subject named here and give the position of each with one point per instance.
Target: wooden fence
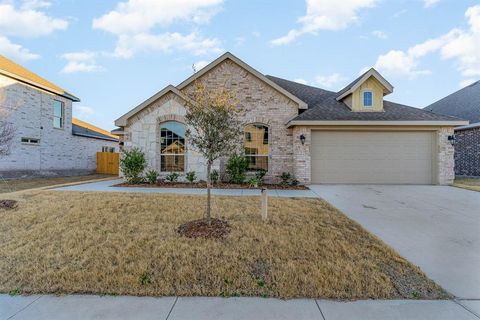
(107, 162)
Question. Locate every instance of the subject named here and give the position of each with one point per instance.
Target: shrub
(133, 164)
(260, 174)
(253, 182)
(214, 176)
(294, 182)
(285, 176)
(151, 176)
(172, 177)
(237, 166)
(191, 176)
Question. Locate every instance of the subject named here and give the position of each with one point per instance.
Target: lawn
(470, 184)
(127, 244)
(23, 184)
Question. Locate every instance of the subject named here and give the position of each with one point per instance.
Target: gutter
(374, 123)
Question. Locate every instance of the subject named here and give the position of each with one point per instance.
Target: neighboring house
(47, 140)
(318, 136)
(465, 104)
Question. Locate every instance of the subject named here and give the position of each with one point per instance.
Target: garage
(373, 157)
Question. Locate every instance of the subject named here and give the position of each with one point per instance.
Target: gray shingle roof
(322, 105)
(85, 132)
(464, 103)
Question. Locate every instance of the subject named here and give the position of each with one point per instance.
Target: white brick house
(318, 136)
(45, 139)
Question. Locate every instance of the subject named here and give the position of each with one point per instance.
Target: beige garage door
(372, 157)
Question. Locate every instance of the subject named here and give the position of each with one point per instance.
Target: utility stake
(264, 197)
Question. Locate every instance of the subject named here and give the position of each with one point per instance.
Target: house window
(57, 114)
(108, 149)
(256, 146)
(368, 99)
(172, 146)
(30, 140)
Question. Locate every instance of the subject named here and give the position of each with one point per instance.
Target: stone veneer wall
(31, 112)
(445, 157)
(260, 104)
(467, 152)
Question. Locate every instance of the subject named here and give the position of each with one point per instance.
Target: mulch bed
(220, 185)
(216, 229)
(8, 204)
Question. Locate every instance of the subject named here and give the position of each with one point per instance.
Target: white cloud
(379, 34)
(459, 45)
(15, 51)
(200, 64)
(301, 81)
(330, 81)
(83, 61)
(27, 21)
(134, 22)
(326, 15)
(466, 82)
(35, 4)
(83, 111)
(430, 3)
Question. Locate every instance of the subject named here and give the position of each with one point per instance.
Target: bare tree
(7, 132)
(213, 126)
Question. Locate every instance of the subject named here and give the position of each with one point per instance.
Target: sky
(113, 55)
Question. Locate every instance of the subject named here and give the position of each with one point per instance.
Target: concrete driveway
(435, 227)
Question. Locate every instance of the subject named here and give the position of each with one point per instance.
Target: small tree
(133, 164)
(7, 132)
(213, 127)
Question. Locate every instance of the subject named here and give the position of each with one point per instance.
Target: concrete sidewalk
(176, 308)
(107, 186)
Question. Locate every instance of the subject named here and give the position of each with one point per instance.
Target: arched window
(256, 146)
(172, 146)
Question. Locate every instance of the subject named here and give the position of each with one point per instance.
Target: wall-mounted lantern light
(452, 139)
(302, 139)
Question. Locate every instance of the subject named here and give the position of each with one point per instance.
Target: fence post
(264, 200)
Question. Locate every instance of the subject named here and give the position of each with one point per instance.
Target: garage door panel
(372, 157)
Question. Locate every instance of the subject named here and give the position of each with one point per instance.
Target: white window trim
(268, 144)
(363, 98)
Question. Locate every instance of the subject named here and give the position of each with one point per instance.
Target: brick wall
(467, 152)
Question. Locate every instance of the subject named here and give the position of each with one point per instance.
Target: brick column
(301, 155)
(445, 156)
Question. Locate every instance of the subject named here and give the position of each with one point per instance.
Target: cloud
(326, 15)
(460, 45)
(301, 81)
(200, 64)
(466, 82)
(129, 45)
(35, 4)
(379, 34)
(15, 51)
(330, 81)
(83, 111)
(430, 3)
(27, 21)
(135, 23)
(83, 61)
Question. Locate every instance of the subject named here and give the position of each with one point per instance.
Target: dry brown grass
(24, 184)
(470, 184)
(122, 243)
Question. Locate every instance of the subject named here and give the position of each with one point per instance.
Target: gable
(372, 85)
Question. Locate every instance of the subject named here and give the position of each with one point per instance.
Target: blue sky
(115, 54)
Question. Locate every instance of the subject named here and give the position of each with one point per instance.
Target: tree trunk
(209, 186)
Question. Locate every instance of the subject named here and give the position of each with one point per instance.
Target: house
(46, 138)
(318, 136)
(465, 104)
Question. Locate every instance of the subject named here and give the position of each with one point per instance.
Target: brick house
(47, 140)
(318, 136)
(464, 104)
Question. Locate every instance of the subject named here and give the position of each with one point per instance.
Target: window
(30, 140)
(256, 146)
(57, 114)
(108, 149)
(172, 146)
(367, 98)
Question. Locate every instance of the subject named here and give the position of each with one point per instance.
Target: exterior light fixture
(302, 139)
(452, 139)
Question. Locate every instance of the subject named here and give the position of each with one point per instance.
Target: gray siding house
(465, 104)
(46, 138)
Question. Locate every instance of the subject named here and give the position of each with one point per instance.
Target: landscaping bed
(220, 185)
(129, 244)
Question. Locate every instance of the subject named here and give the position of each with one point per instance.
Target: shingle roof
(16, 71)
(464, 103)
(84, 129)
(322, 105)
